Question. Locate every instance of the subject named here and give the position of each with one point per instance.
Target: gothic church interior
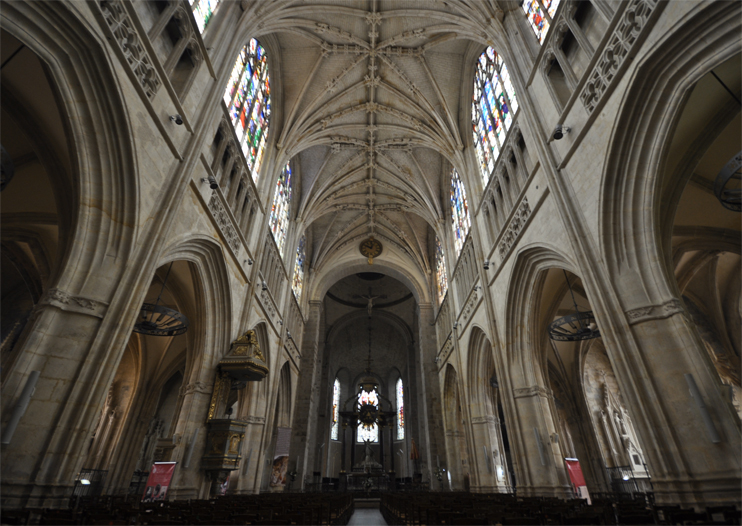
(458, 245)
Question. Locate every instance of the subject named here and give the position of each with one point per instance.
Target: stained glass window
(440, 271)
(400, 410)
(298, 282)
(459, 212)
(492, 109)
(335, 410)
(368, 432)
(279, 220)
(539, 14)
(203, 10)
(248, 97)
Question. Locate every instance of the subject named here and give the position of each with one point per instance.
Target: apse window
(334, 432)
(540, 14)
(368, 431)
(248, 99)
(400, 410)
(203, 10)
(492, 111)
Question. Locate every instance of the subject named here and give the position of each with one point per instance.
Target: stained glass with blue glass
(279, 218)
(460, 220)
(248, 100)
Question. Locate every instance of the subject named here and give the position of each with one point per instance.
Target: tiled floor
(366, 517)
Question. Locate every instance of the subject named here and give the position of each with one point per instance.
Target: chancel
(413, 261)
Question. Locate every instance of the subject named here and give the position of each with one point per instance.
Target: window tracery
(493, 107)
(203, 10)
(248, 98)
(539, 14)
(368, 432)
(440, 271)
(279, 219)
(335, 410)
(298, 282)
(459, 212)
(400, 410)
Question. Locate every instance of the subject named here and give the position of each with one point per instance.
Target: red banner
(575, 473)
(158, 481)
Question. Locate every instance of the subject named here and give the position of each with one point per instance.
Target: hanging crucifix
(370, 299)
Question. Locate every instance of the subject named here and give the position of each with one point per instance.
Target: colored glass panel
(298, 281)
(335, 410)
(247, 97)
(493, 109)
(203, 10)
(459, 212)
(440, 271)
(400, 410)
(539, 14)
(279, 218)
(371, 432)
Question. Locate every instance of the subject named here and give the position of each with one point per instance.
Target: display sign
(281, 457)
(577, 478)
(158, 481)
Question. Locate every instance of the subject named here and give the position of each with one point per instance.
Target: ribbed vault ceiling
(371, 111)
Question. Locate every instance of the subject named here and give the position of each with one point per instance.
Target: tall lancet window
(334, 432)
(440, 271)
(400, 410)
(459, 212)
(368, 432)
(493, 106)
(279, 220)
(248, 97)
(203, 10)
(298, 283)
(539, 14)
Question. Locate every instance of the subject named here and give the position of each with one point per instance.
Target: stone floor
(367, 517)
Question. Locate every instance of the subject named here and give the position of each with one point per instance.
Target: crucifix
(370, 298)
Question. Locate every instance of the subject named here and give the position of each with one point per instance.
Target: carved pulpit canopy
(245, 361)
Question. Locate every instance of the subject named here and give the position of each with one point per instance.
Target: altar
(368, 481)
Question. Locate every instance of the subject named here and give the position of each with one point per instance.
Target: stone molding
(126, 36)
(224, 223)
(515, 227)
(656, 312)
(488, 419)
(293, 351)
(633, 22)
(79, 304)
(534, 390)
(250, 419)
(196, 387)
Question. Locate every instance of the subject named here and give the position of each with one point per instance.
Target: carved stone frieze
(534, 390)
(515, 227)
(470, 305)
(656, 312)
(445, 352)
(66, 301)
(126, 36)
(488, 419)
(633, 22)
(250, 419)
(224, 222)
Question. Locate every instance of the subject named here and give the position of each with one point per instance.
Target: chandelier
(158, 320)
(574, 327)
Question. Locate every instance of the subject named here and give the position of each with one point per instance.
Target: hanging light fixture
(158, 320)
(574, 327)
(727, 185)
